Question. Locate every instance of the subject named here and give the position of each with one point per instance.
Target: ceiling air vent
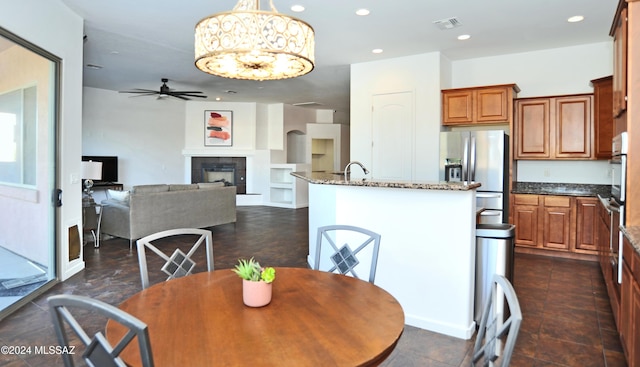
(448, 23)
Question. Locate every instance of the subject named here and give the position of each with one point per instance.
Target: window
(18, 125)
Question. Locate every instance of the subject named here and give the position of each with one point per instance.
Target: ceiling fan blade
(143, 95)
(178, 96)
(165, 91)
(188, 95)
(138, 91)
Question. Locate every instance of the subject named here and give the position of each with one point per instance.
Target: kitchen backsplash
(556, 171)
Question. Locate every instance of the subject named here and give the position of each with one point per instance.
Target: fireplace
(225, 173)
(230, 170)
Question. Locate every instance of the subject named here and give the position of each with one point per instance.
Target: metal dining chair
(178, 264)
(98, 351)
(497, 336)
(344, 259)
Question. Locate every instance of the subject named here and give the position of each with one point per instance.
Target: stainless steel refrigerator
(479, 156)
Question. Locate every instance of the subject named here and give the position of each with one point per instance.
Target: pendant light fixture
(248, 43)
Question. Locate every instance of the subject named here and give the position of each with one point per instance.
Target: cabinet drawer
(561, 201)
(525, 200)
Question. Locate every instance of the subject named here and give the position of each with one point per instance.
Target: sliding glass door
(28, 118)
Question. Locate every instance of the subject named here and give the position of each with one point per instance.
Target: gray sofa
(148, 209)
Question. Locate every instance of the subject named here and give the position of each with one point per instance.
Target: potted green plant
(257, 282)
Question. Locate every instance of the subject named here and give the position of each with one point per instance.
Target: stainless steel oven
(617, 219)
(618, 196)
(618, 164)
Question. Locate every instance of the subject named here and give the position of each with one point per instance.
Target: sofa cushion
(121, 196)
(148, 189)
(182, 187)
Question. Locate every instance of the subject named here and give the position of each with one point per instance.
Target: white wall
(420, 75)
(545, 73)
(61, 36)
(145, 133)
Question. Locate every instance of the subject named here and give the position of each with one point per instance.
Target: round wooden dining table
(315, 318)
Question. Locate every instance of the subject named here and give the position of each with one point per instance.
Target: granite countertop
(325, 178)
(566, 189)
(633, 235)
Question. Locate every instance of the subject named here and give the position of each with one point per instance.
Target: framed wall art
(218, 128)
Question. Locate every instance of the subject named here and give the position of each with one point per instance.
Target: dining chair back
(97, 350)
(179, 263)
(497, 336)
(343, 259)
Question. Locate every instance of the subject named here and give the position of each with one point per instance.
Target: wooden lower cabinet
(564, 224)
(629, 321)
(587, 218)
(556, 230)
(525, 217)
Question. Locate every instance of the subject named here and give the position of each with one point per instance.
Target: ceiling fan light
(247, 43)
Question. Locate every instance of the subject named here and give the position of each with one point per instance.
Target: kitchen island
(427, 250)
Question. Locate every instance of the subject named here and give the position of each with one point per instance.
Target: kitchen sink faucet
(347, 169)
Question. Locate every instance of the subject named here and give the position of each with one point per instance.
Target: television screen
(109, 167)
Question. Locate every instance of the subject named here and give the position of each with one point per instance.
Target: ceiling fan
(165, 91)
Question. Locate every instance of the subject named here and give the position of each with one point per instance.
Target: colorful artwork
(218, 128)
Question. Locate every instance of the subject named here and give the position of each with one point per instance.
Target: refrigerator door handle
(487, 195)
(472, 160)
(465, 160)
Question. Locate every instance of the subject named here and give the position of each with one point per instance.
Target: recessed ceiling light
(218, 98)
(363, 12)
(297, 8)
(464, 37)
(575, 19)
(377, 50)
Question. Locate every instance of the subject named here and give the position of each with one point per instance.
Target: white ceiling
(139, 42)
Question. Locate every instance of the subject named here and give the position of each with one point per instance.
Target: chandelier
(247, 43)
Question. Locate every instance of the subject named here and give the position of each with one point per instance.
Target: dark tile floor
(567, 317)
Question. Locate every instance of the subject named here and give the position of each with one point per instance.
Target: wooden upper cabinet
(481, 105)
(602, 116)
(619, 33)
(457, 107)
(533, 127)
(574, 123)
(554, 127)
(493, 104)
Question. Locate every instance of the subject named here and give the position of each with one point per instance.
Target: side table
(91, 219)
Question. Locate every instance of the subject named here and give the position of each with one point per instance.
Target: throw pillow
(118, 195)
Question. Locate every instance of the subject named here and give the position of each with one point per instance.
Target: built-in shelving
(285, 190)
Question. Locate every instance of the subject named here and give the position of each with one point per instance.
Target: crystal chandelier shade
(247, 43)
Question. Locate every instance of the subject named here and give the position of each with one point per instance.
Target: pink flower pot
(256, 294)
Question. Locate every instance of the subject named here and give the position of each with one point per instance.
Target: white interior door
(392, 127)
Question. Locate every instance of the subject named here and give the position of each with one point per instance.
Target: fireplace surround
(230, 170)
